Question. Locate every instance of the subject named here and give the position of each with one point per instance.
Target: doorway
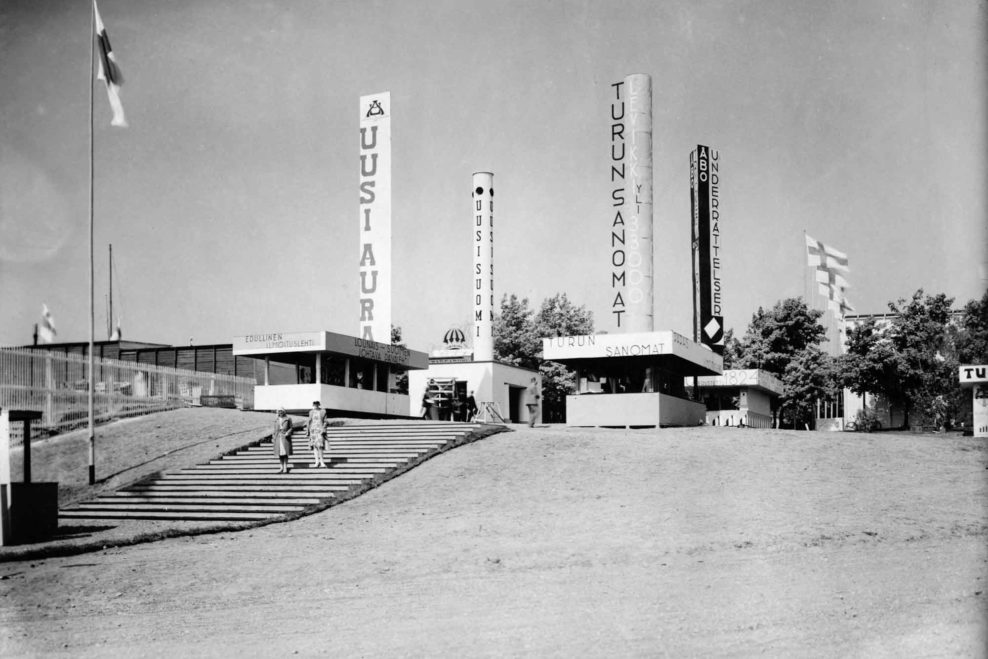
(516, 398)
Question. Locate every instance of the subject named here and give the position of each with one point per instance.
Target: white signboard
(639, 344)
(375, 217)
(973, 374)
(274, 342)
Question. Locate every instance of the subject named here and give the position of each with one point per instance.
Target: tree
(558, 317)
(919, 335)
(808, 378)
(514, 333)
(785, 341)
(775, 336)
(972, 335)
(732, 350)
(401, 375)
(911, 362)
(518, 334)
(869, 364)
(970, 341)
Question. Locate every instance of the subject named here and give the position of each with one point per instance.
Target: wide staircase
(246, 486)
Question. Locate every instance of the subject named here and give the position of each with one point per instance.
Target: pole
(109, 318)
(92, 268)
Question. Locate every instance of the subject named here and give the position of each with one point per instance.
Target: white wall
(300, 397)
(489, 381)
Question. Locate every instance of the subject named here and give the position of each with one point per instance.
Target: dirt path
(560, 542)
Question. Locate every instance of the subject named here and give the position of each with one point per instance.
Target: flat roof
(666, 349)
(751, 378)
(280, 343)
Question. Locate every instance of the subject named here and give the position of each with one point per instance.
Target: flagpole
(92, 267)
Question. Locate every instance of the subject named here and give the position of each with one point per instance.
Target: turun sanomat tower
(634, 376)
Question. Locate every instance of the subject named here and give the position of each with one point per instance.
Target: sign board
(340, 344)
(754, 378)
(615, 218)
(375, 217)
(976, 377)
(277, 342)
(971, 375)
(708, 322)
(639, 344)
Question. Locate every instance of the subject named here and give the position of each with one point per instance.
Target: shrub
(867, 421)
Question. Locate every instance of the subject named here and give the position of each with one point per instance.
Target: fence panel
(57, 385)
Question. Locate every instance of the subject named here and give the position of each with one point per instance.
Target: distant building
(739, 397)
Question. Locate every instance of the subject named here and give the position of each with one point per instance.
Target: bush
(866, 421)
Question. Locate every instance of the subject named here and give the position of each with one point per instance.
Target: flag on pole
(109, 71)
(829, 263)
(46, 329)
(117, 334)
(824, 256)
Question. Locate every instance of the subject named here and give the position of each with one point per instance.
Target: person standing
(315, 429)
(428, 402)
(471, 406)
(282, 439)
(533, 402)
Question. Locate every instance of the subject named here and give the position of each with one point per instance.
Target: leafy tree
(912, 362)
(869, 364)
(785, 341)
(808, 378)
(972, 336)
(559, 317)
(732, 350)
(518, 334)
(514, 333)
(970, 341)
(919, 336)
(775, 336)
(401, 375)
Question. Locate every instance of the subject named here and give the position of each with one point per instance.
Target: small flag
(117, 334)
(46, 329)
(824, 256)
(109, 71)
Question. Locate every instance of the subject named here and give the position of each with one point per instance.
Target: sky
(231, 200)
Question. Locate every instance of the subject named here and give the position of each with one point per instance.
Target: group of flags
(830, 267)
(46, 328)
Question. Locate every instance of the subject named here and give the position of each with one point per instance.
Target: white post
(5, 478)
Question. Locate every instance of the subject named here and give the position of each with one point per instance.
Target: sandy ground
(563, 542)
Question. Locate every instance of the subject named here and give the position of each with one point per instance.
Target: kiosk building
(346, 374)
(634, 379)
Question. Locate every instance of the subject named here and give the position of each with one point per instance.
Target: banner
(708, 319)
(619, 233)
(375, 217)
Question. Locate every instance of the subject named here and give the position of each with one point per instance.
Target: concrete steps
(246, 485)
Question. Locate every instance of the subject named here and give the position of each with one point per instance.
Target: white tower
(482, 238)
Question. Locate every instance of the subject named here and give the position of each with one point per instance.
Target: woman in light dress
(315, 428)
